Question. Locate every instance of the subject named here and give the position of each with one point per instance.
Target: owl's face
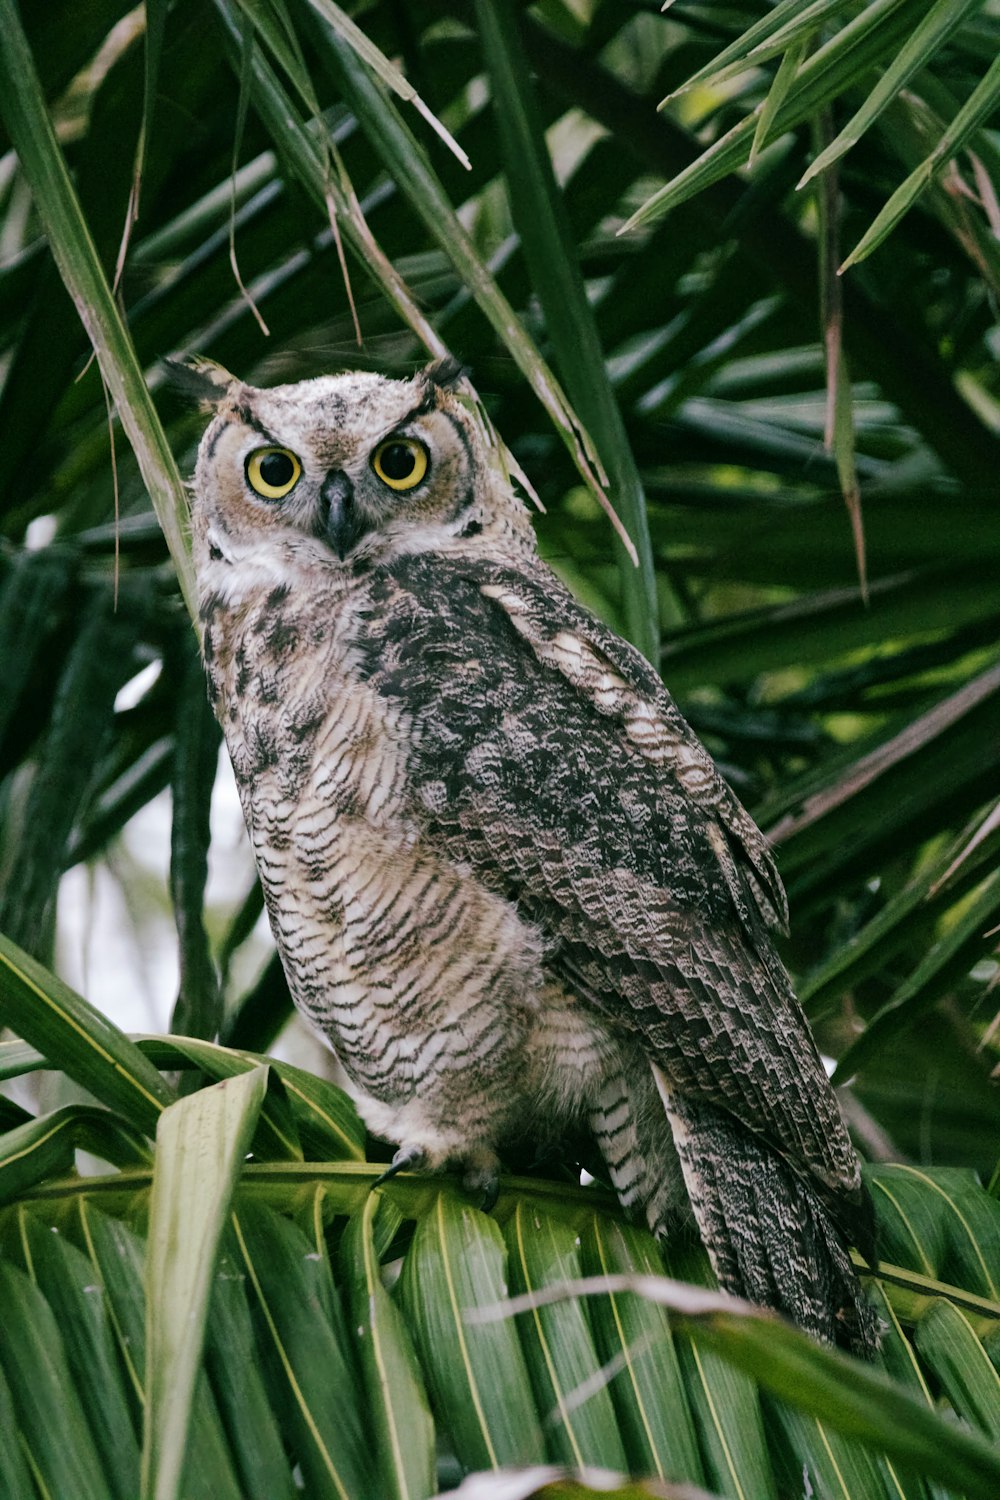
(355, 466)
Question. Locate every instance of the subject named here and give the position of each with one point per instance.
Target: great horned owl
(504, 877)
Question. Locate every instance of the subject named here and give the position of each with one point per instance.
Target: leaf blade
(391, 1374)
(76, 1037)
(973, 113)
(201, 1143)
(22, 107)
(456, 1264)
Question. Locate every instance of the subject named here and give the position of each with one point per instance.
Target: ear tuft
(445, 372)
(199, 380)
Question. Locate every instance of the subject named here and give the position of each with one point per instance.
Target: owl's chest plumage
(425, 979)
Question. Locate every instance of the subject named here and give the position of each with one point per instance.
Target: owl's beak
(338, 522)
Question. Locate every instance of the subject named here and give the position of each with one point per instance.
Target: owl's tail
(771, 1237)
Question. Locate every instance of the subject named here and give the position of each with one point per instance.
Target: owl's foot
(406, 1159)
(480, 1169)
(481, 1174)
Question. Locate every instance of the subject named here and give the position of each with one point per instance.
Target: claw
(491, 1192)
(483, 1178)
(406, 1159)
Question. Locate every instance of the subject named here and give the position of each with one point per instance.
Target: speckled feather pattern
(505, 879)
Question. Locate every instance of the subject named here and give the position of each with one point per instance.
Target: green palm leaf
(597, 1380)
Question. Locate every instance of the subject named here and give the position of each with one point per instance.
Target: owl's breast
(303, 728)
(421, 976)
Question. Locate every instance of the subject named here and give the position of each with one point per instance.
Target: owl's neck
(234, 571)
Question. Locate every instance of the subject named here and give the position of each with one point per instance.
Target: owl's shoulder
(498, 656)
(516, 617)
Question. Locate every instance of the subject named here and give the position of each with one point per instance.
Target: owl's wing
(621, 685)
(552, 761)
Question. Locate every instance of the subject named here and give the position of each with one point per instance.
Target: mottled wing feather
(622, 685)
(710, 1012)
(550, 760)
(765, 1229)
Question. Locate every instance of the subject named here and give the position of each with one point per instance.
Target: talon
(406, 1159)
(483, 1178)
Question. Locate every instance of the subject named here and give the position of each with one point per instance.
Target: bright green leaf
(201, 1143)
(396, 1400)
(74, 1036)
(456, 1264)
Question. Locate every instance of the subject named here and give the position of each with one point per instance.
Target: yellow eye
(400, 463)
(272, 472)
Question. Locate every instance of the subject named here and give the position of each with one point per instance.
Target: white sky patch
(117, 943)
(39, 533)
(138, 686)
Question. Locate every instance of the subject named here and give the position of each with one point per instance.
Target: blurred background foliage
(806, 462)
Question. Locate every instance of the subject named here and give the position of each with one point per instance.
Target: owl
(505, 879)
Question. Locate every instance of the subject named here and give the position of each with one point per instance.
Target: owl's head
(347, 470)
